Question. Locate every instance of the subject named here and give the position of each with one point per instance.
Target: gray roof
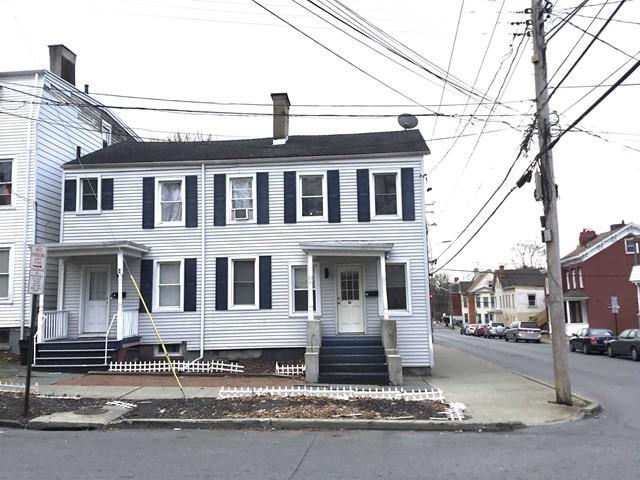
(376, 143)
(463, 286)
(521, 277)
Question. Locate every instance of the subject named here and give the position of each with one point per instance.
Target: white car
(470, 329)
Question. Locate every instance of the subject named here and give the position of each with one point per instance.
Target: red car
(479, 331)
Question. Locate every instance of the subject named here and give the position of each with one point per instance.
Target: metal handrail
(106, 337)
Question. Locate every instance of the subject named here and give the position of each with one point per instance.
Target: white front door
(350, 301)
(95, 300)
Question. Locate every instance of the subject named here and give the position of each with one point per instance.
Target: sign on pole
(38, 269)
(614, 306)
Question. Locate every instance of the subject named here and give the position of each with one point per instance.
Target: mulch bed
(11, 405)
(289, 407)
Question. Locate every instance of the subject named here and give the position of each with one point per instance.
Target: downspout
(27, 200)
(203, 256)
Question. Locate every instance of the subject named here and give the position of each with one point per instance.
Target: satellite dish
(407, 121)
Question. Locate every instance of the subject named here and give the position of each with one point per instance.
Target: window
(169, 285)
(6, 170)
(466, 317)
(580, 277)
(171, 201)
(89, 191)
(573, 278)
(629, 243)
(299, 290)
(312, 198)
(173, 349)
(567, 279)
(385, 193)
(493, 301)
(5, 266)
(243, 280)
(397, 286)
(465, 302)
(106, 134)
(485, 302)
(531, 299)
(477, 301)
(241, 207)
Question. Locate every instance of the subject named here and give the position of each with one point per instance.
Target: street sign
(38, 269)
(614, 306)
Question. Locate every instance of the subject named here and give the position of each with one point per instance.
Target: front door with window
(350, 301)
(95, 300)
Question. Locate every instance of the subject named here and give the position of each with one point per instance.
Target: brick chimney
(281, 106)
(62, 62)
(616, 226)
(586, 236)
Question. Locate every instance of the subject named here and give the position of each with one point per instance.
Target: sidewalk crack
(306, 452)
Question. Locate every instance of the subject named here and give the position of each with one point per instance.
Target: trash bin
(24, 351)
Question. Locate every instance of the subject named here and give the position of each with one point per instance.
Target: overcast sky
(234, 51)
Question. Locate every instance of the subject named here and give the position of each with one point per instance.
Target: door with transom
(95, 300)
(350, 301)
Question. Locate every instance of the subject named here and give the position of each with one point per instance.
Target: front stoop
(87, 353)
(353, 360)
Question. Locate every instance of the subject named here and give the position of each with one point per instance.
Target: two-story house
(519, 294)
(480, 301)
(310, 243)
(596, 271)
(44, 121)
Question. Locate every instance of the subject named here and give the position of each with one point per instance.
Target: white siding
(274, 328)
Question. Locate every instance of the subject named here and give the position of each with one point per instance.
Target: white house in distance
(313, 244)
(481, 302)
(520, 294)
(39, 131)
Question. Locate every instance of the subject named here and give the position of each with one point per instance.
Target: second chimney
(586, 236)
(280, 118)
(62, 62)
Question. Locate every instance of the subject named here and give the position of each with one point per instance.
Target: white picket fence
(453, 412)
(340, 393)
(290, 370)
(17, 387)
(162, 366)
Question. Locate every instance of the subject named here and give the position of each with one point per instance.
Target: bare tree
(190, 137)
(529, 254)
(440, 288)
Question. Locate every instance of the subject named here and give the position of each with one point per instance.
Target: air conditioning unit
(241, 214)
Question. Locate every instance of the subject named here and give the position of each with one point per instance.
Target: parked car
(494, 329)
(588, 340)
(479, 331)
(525, 331)
(626, 345)
(470, 329)
(463, 328)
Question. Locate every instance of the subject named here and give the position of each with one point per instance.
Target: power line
(563, 21)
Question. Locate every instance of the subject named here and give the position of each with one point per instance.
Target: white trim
(156, 285)
(158, 195)
(319, 218)
(230, 177)
(362, 299)
(580, 279)
(9, 298)
(108, 129)
(630, 228)
(256, 279)
(304, 313)
(634, 246)
(78, 179)
(11, 205)
(407, 274)
(83, 277)
(372, 194)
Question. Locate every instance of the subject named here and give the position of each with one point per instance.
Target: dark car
(626, 345)
(479, 331)
(590, 340)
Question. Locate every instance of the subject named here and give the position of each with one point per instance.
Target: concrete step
(369, 358)
(352, 340)
(353, 368)
(355, 378)
(75, 353)
(352, 350)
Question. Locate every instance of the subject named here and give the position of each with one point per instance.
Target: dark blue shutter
(146, 284)
(222, 282)
(106, 200)
(408, 194)
(333, 195)
(191, 197)
(262, 192)
(264, 271)
(364, 206)
(219, 199)
(190, 284)
(148, 202)
(289, 197)
(70, 195)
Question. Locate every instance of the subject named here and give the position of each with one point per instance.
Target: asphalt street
(605, 446)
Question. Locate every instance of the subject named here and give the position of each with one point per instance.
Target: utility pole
(549, 198)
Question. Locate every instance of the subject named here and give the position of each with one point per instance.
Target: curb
(63, 426)
(314, 424)
(11, 424)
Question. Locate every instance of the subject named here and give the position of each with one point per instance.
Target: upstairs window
(485, 302)
(465, 302)
(397, 286)
(5, 257)
(6, 177)
(89, 193)
(386, 190)
(629, 244)
(106, 134)
(478, 302)
(242, 198)
(170, 202)
(531, 299)
(312, 197)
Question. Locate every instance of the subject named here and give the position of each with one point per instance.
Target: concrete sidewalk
(496, 394)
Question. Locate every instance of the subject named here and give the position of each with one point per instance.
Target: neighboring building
(594, 272)
(40, 129)
(459, 302)
(251, 246)
(519, 295)
(480, 298)
(466, 307)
